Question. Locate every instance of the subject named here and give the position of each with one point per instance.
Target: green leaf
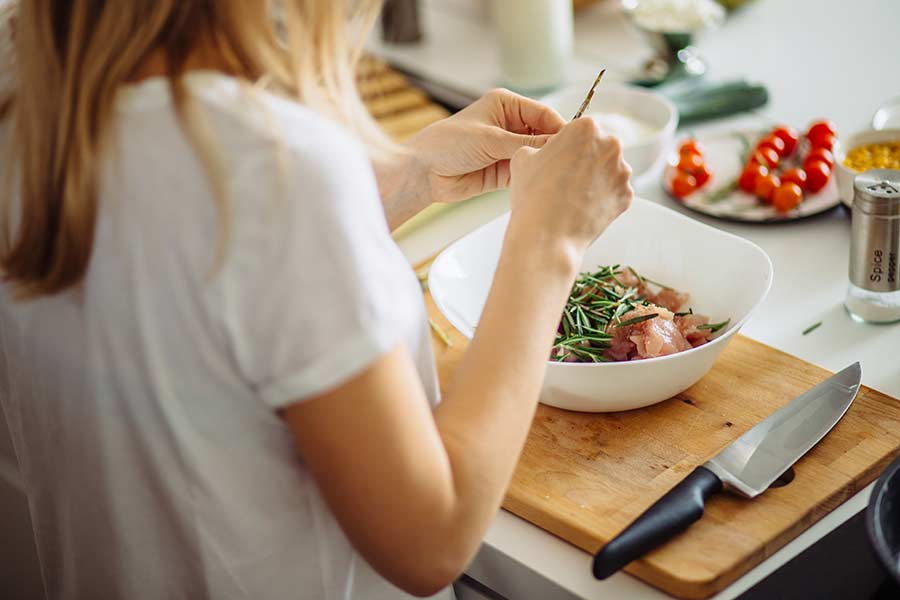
(639, 319)
(714, 327)
(812, 328)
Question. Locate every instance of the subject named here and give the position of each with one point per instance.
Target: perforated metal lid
(877, 192)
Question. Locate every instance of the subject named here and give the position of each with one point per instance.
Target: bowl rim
(727, 334)
(874, 526)
(618, 87)
(843, 143)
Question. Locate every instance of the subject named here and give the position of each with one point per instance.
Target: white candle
(535, 40)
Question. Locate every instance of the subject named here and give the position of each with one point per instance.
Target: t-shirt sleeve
(311, 287)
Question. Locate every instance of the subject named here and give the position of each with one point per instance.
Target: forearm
(403, 185)
(485, 417)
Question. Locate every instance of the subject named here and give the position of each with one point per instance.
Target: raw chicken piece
(662, 335)
(688, 325)
(621, 348)
(669, 298)
(659, 336)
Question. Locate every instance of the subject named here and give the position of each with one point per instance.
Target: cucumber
(712, 101)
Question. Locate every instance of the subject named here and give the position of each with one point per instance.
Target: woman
(217, 364)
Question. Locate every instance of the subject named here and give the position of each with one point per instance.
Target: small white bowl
(846, 176)
(727, 277)
(888, 115)
(656, 111)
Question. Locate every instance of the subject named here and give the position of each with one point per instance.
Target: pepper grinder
(400, 21)
(873, 295)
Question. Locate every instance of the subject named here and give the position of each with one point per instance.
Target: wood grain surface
(401, 109)
(584, 477)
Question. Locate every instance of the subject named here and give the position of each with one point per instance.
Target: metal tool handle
(669, 516)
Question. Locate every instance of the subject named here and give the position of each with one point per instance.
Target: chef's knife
(747, 467)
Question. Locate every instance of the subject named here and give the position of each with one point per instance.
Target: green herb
(639, 319)
(722, 193)
(812, 328)
(598, 301)
(746, 146)
(714, 327)
(690, 311)
(648, 280)
(596, 304)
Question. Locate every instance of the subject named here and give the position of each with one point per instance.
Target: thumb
(521, 158)
(504, 144)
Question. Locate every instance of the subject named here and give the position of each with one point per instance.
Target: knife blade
(747, 467)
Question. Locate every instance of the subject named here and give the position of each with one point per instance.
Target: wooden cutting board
(584, 477)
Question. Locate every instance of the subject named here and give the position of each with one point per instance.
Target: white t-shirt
(142, 403)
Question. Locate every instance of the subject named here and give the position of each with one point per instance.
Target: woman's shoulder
(269, 119)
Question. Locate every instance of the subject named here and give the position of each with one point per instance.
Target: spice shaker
(873, 295)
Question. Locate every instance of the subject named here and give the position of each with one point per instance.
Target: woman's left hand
(468, 154)
(463, 155)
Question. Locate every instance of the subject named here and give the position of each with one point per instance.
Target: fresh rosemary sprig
(648, 280)
(639, 319)
(598, 301)
(812, 328)
(714, 327)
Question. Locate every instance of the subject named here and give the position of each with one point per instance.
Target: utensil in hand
(747, 467)
(590, 96)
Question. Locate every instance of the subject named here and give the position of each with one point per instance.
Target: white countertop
(819, 58)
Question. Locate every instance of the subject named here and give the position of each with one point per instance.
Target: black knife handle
(669, 516)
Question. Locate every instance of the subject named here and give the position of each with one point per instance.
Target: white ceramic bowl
(639, 103)
(846, 176)
(727, 276)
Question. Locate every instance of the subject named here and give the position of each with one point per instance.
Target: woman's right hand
(571, 189)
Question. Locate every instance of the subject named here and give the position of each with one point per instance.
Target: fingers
(497, 176)
(519, 114)
(520, 159)
(502, 145)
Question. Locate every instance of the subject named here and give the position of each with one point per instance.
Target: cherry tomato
(789, 136)
(690, 147)
(820, 154)
(797, 176)
(765, 186)
(764, 156)
(747, 181)
(683, 185)
(690, 163)
(823, 141)
(786, 197)
(773, 142)
(817, 175)
(819, 128)
(702, 175)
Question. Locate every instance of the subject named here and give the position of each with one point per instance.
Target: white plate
(723, 153)
(727, 276)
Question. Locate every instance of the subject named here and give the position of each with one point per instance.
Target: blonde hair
(72, 56)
